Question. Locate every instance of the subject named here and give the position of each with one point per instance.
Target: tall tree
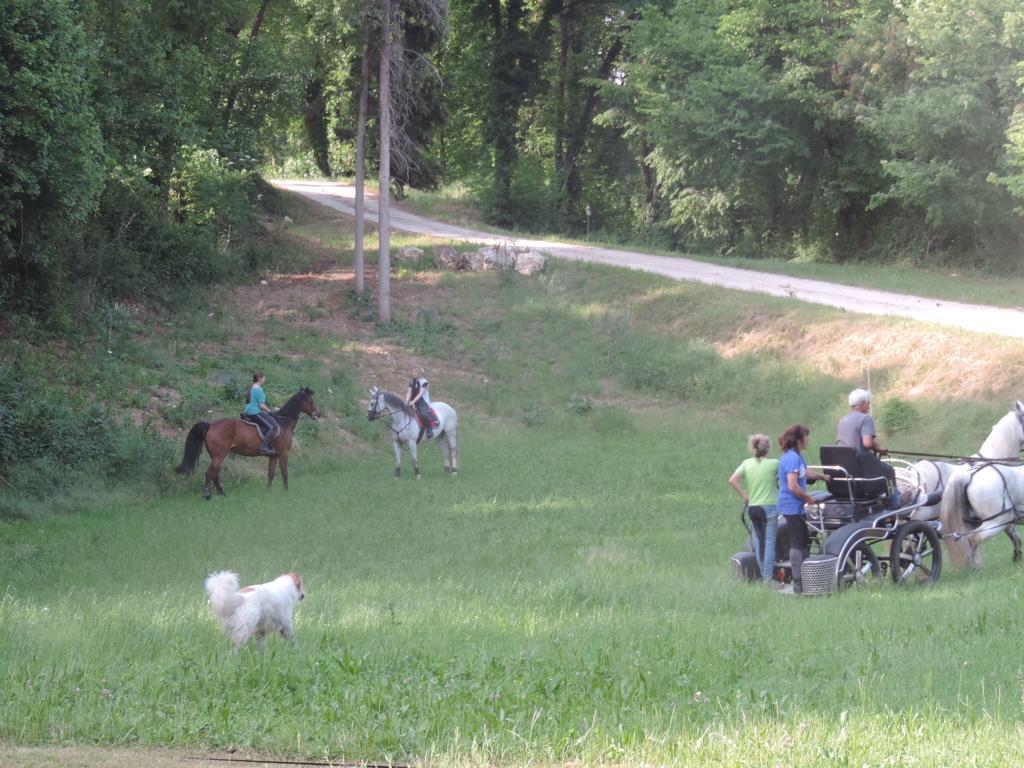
(945, 125)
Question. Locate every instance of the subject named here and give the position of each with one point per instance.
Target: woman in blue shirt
(793, 478)
(256, 407)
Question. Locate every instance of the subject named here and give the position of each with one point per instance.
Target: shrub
(580, 404)
(50, 440)
(898, 416)
(535, 414)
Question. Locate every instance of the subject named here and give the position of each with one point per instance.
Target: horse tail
(952, 513)
(193, 446)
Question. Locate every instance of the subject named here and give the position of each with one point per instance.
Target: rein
(1009, 460)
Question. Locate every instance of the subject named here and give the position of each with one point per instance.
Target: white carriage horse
(1005, 441)
(986, 498)
(405, 429)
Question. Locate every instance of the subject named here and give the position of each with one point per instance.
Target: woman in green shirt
(756, 480)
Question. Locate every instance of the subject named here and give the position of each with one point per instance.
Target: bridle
(376, 411)
(307, 403)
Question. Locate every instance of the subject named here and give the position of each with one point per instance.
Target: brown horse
(236, 436)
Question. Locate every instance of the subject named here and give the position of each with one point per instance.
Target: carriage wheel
(916, 556)
(861, 564)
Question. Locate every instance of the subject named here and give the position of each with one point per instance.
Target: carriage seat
(847, 481)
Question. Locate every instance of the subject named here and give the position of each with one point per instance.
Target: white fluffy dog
(254, 611)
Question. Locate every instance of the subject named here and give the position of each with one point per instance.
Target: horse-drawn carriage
(854, 536)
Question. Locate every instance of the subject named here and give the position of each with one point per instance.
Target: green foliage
(51, 155)
(215, 195)
(899, 415)
(580, 404)
(51, 440)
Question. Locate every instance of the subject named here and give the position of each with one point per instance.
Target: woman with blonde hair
(756, 481)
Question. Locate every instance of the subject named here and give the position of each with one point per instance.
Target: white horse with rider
(406, 430)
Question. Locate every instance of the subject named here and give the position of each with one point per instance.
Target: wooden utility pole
(384, 178)
(364, 87)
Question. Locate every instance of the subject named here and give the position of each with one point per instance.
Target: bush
(535, 414)
(214, 194)
(898, 416)
(580, 404)
(50, 440)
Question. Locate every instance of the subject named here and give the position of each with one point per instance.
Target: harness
(386, 410)
(938, 472)
(1008, 505)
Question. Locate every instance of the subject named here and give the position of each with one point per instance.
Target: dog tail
(222, 589)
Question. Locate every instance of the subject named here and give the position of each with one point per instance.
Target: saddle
(434, 422)
(252, 421)
(431, 419)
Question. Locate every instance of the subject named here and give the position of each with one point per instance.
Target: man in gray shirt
(857, 430)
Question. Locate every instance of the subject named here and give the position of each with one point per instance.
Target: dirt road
(971, 317)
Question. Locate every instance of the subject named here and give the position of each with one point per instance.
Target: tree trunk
(364, 87)
(571, 181)
(650, 182)
(383, 202)
(237, 85)
(563, 66)
(315, 121)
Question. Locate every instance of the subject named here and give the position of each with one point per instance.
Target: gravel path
(971, 317)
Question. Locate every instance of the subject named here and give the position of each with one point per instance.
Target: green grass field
(566, 599)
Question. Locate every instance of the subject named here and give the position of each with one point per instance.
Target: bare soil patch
(122, 757)
(325, 300)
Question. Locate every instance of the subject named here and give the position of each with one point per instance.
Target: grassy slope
(566, 598)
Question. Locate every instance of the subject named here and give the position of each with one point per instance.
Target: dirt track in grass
(123, 757)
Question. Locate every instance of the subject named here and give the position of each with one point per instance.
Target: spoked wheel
(916, 556)
(861, 564)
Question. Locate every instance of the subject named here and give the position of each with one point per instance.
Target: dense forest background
(134, 133)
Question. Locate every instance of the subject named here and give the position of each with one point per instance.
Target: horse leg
(1011, 531)
(398, 457)
(453, 448)
(213, 477)
(415, 461)
(271, 467)
(972, 545)
(284, 470)
(442, 443)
